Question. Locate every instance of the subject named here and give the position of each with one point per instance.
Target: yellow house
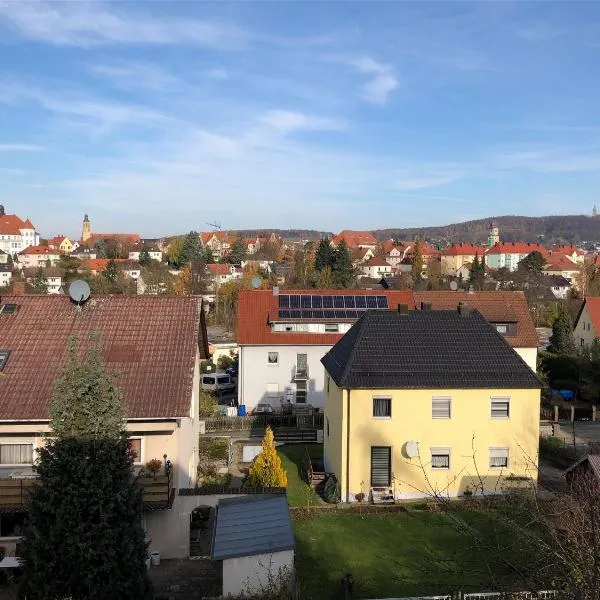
(425, 403)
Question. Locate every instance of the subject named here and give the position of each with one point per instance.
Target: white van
(217, 383)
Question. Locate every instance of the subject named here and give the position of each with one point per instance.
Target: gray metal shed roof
(251, 525)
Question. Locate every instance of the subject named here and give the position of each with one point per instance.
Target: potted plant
(360, 497)
(154, 466)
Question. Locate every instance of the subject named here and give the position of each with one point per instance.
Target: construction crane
(215, 225)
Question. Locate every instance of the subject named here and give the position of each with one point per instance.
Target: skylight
(9, 309)
(4, 354)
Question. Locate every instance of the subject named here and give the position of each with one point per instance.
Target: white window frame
(332, 328)
(503, 450)
(447, 399)
(20, 442)
(273, 364)
(441, 451)
(504, 399)
(382, 417)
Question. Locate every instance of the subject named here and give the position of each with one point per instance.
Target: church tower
(595, 211)
(86, 231)
(493, 235)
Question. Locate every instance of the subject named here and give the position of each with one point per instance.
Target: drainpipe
(347, 445)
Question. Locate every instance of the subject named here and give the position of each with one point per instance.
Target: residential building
(153, 250)
(508, 312)
(587, 322)
(560, 286)
(82, 252)
(38, 256)
(361, 255)
(396, 255)
(5, 274)
(377, 267)
(424, 403)
(221, 273)
(91, 239)
(459, 255)
(154, 346)
(219, 242)
(253, 538)
(561, 265)
(3, 257)
(252, 245)
(16, 234)
(61, 243)
(509, 254)
(574, 254)
(266, 266)
(52, 278)
(283, 336)
(95, 266)
(355, 239)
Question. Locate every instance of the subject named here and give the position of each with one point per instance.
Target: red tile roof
(388, 246)
(131, 238)
(354, 239)
(56, 240)
(40, 250)
(149, 342)
(496, 307)
(377, 261)
(256, 306)
(592, 303)
(219, 268)
(12, 225)
(559, 262)
(222, 236)
(568, 250)
(463, 250)
(517, 248)
(100, 264)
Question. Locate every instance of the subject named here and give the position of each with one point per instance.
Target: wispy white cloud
(383, 80)
(546, 159)
(135, 75)
(288, 121)
(20, 148)
(8, 171)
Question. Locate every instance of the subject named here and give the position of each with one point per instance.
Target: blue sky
(159, 117)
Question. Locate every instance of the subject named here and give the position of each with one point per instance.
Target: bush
(213, 448)
(559, 366)
(207, 404)
(331, 491)
(565, 384)
(224, 361)
(207, 366)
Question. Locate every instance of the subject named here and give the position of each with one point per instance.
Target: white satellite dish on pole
(256, 282)
(453, 286)
(411, 449)
(79, 291)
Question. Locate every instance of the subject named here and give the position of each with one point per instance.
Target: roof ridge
(360, 325)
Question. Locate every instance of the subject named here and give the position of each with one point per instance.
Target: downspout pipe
(347, 445)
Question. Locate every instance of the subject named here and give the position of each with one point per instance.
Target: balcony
(157, 492)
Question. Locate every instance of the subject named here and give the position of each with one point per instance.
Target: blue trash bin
(241, 410)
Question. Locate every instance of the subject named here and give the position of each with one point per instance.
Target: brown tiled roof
(149, 342)
(12, 225)
(496, 307)
(39, 250)
(353, 239)
(255, 307)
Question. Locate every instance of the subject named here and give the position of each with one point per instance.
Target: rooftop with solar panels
(337, 307)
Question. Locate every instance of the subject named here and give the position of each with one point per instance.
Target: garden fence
(541, 595)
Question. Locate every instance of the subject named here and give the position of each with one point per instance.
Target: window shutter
(500, 408)
(380, 465)
(440, 408)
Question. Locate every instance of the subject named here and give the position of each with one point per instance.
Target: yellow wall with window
(472, 436)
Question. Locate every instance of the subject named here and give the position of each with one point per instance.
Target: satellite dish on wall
(453, 286)
(79, 291)
(411, 449)
(256, 282)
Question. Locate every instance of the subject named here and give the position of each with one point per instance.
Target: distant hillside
(559, 229)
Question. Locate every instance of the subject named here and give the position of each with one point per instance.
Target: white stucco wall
(252, 574)
(255, 374)
(584, 329)
(529, 355)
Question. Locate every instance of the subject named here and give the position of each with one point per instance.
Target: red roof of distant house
(255, 307)
(354, 239)
(593, 306)
(39, 250)
(222, 236)
(56, 240)
(517, 248)
(463, 250)
(219, 268)
(568, 250)
(132, 238)
(388, 246)
(496, 307)
(377, 261)
(559, 262)
(149, 342)
(12, 225)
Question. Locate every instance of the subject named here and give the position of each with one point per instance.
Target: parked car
(263, 409)
(232, 371)
(218, 383)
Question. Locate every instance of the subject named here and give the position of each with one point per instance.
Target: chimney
(464, 309)
(19, 288)
(403, 309)
(425, 305)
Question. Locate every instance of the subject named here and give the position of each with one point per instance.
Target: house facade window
(440, 458)
(381, 466)
(498, 458)
(441, 408)
(382, 408)
(331, 328)
(136, 447)
(16, 454)
(273, 358)
(500, 408)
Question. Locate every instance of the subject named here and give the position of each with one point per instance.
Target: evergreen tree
(191, 248)
(174, 252)
(324, 279)
(562, 340)
(39, 285)
(343, 270)
(111, 273)
(417, 263)
(266, 470)
(9, 259)
(84, 538)
(325, 255)
(145, 259)
(477, 273)
(533, 263)
(237, 252)
(209, 257)
(101, 250)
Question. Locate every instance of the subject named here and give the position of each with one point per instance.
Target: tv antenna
(215, 225)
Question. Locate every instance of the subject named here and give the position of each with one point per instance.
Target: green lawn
(403, 554)
(299, 494)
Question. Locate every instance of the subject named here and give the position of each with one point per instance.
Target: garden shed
(253, 537)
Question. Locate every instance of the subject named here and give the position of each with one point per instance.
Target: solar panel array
(340, 306)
